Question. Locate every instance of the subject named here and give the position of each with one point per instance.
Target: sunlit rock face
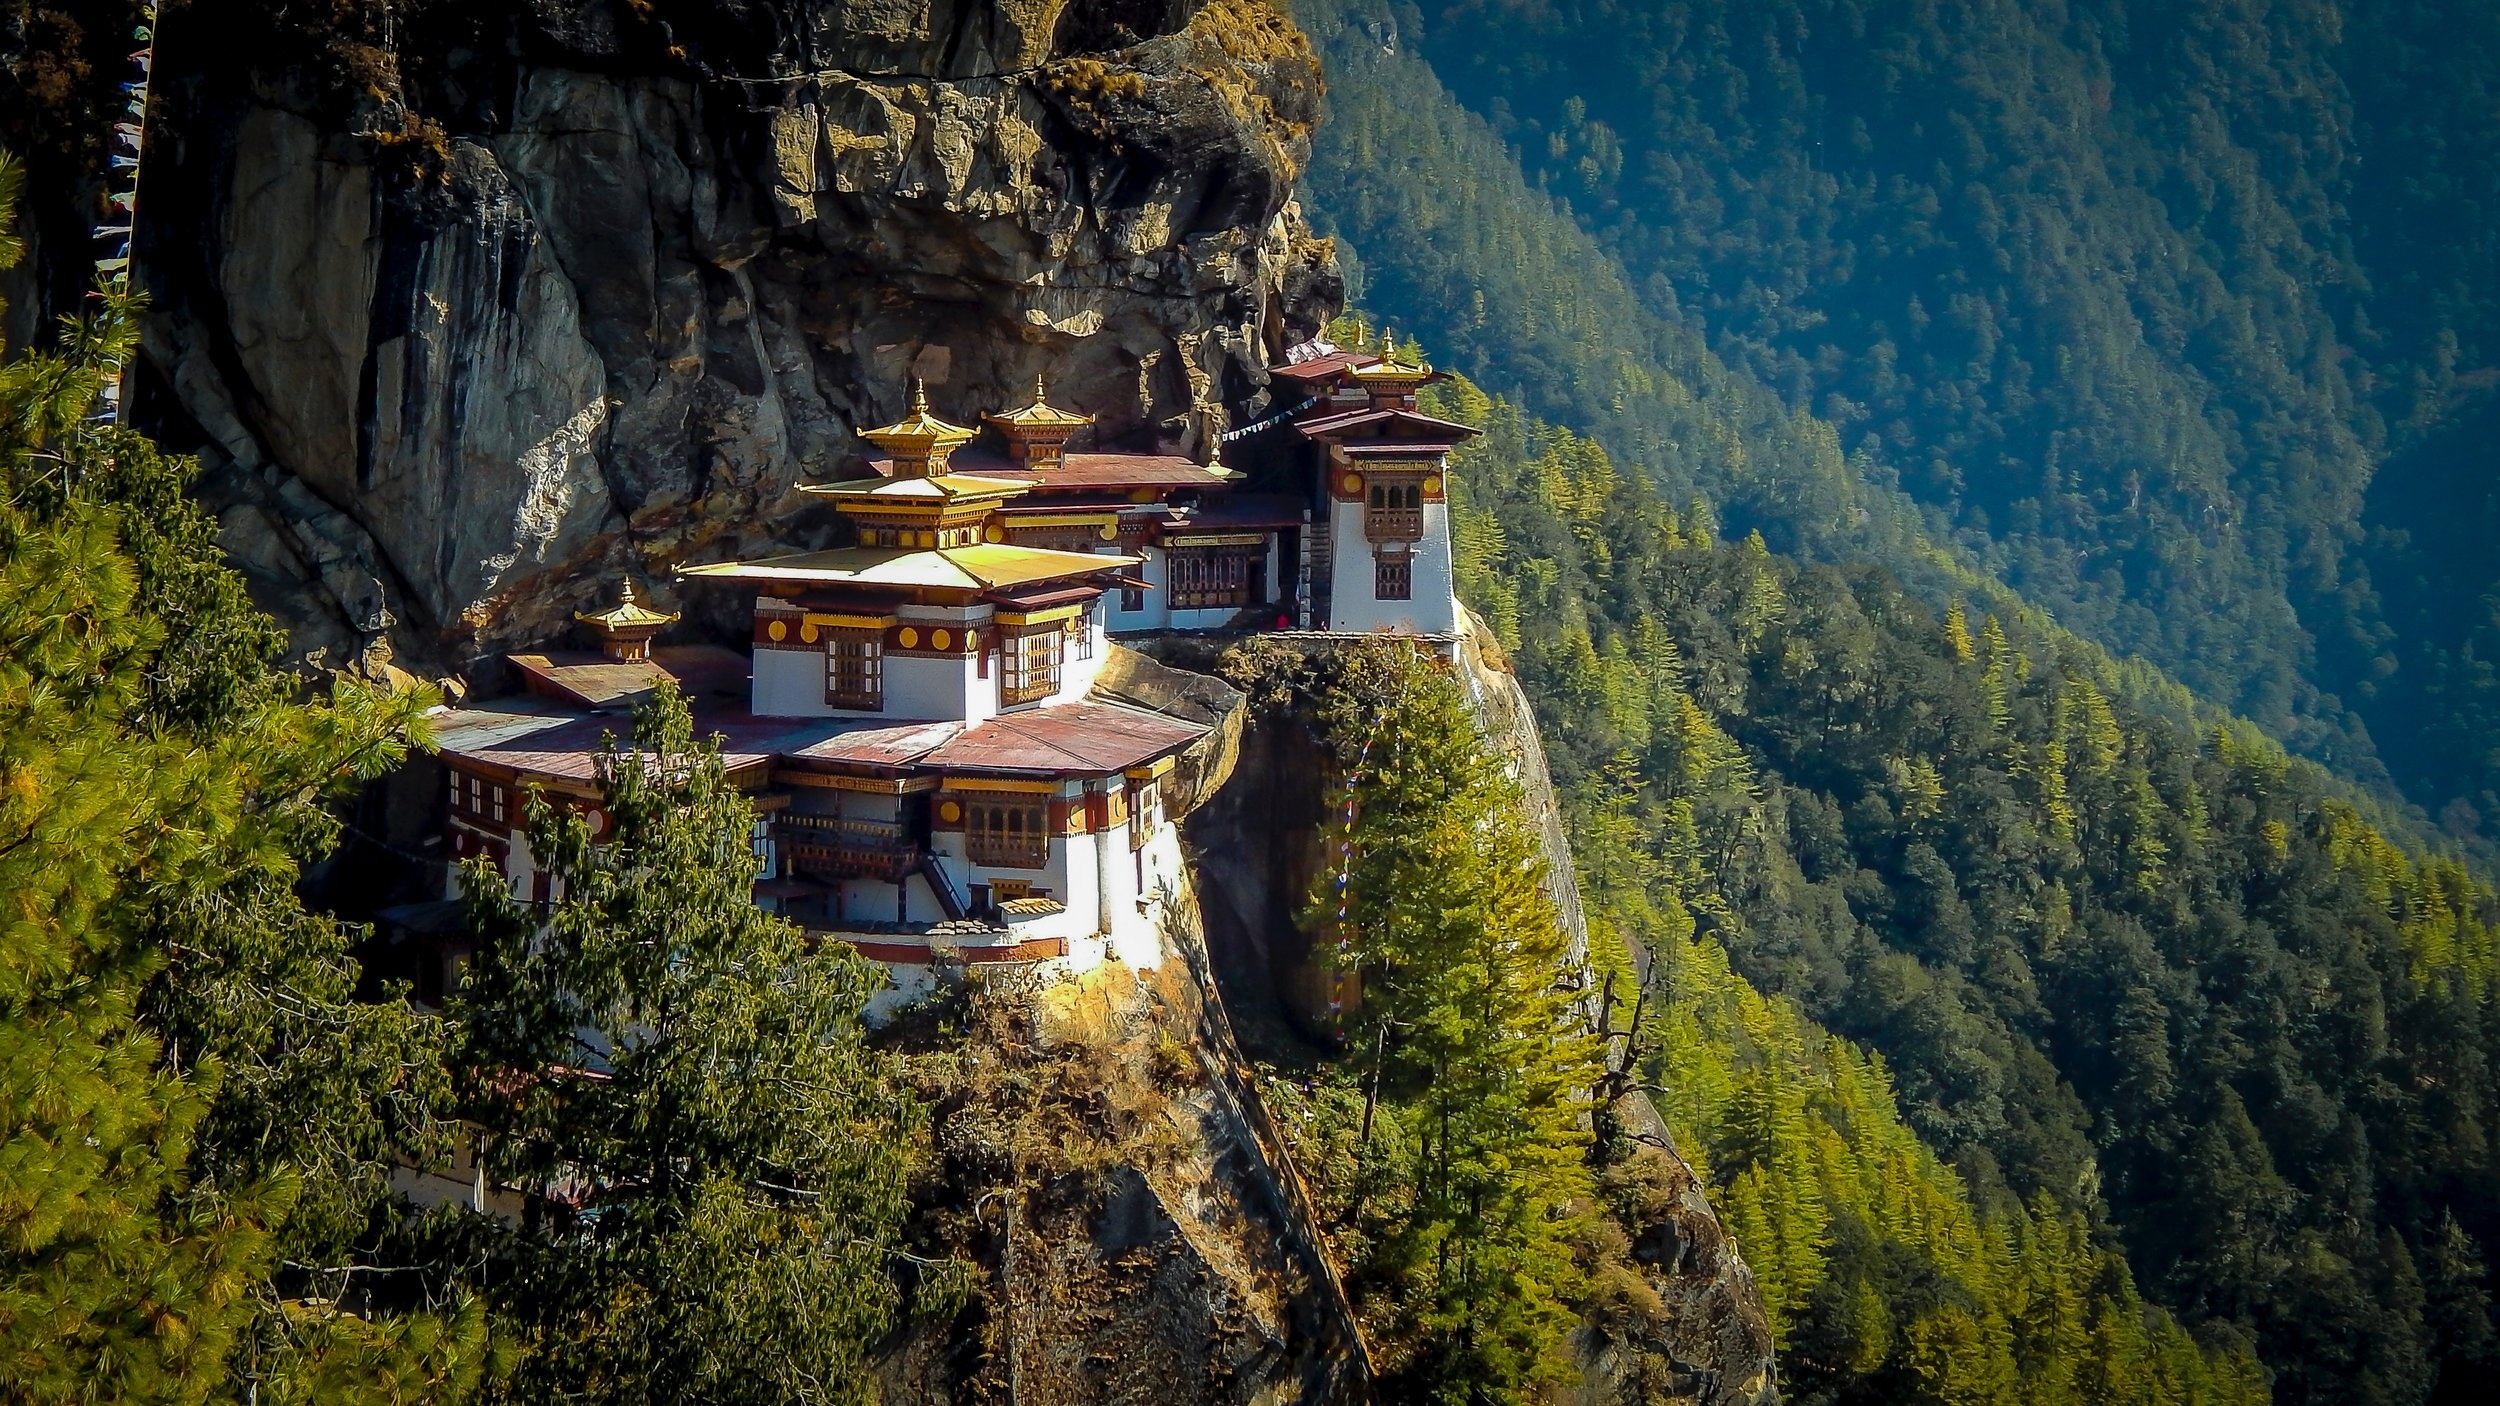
(468, 309)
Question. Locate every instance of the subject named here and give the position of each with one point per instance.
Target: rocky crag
(468, 307)
(1101, 1158)
(1692, 1329)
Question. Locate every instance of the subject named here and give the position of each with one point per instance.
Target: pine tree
(714, 1154)
(1484, 1063)
(195, 1096)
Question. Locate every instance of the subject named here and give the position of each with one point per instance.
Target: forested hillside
(2130, 302)
(2131, 987)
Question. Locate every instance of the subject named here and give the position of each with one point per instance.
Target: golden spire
(920, 442)
(1041, 414)
(625, 628)
(1037, 433)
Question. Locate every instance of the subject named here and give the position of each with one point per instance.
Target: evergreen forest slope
(2179, 319)
(1988, 1001)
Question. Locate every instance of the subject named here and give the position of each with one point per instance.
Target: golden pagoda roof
(932, 492)
(1040, 415)
(982, 567)
(626, 614)
(1391, 371)
(918, 434)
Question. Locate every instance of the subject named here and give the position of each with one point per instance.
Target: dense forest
(2160, 1013)
(2178, 319)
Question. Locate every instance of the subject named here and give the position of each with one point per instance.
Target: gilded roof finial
(625, 628)
(1040, 420)
(920, 442)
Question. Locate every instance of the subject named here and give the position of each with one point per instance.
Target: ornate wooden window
(1215, 578)
(855, 670)
(1145, 812)
(1029, 664)
(1393, 578)
(1007, 834)
(1394, 512)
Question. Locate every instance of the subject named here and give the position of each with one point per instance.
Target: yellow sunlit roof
(944, 488)
(627, 614)
(983, 567)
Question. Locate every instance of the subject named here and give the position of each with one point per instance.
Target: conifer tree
(1483, 1063)
(680, 1082)
(197, 1106)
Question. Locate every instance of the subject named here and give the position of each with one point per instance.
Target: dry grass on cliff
(1032, 1088)
(1266, 48)
(1253, 31)
(1045, 1101)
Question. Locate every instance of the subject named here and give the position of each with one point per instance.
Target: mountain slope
(2141, 986)
(2128, 300)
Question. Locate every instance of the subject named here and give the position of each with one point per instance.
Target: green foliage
(1463, 1196)
(2118, 1002)
(202, 1115)
(2125, 304)
(719, 1157)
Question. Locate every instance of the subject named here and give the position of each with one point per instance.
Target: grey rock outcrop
(468, 310)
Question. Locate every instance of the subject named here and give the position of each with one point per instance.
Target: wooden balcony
(826, 846)
(1393, 524)
(1000, 849)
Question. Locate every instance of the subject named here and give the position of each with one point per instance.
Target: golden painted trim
(1020, 520)
(842, 621)
(1051, 616)
(962, 785)
(1150, 770)
(867, 785)
(1218, 539)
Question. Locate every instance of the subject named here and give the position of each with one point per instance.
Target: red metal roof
(1078, 471)
(1074, 739)
(876, 744)
(1378, 423)
(1127, 471)
(530, 738)
(523, 736)
(1233, 511)
(1322, 368)
(596, 681)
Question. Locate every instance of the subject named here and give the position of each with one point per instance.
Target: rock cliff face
(1102, 1165)
(469, 306)
(1102, 1158)
(1694, 1331)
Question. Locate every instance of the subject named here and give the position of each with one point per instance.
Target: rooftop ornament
(920, 442)
(625, 628)
(1037, 434)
